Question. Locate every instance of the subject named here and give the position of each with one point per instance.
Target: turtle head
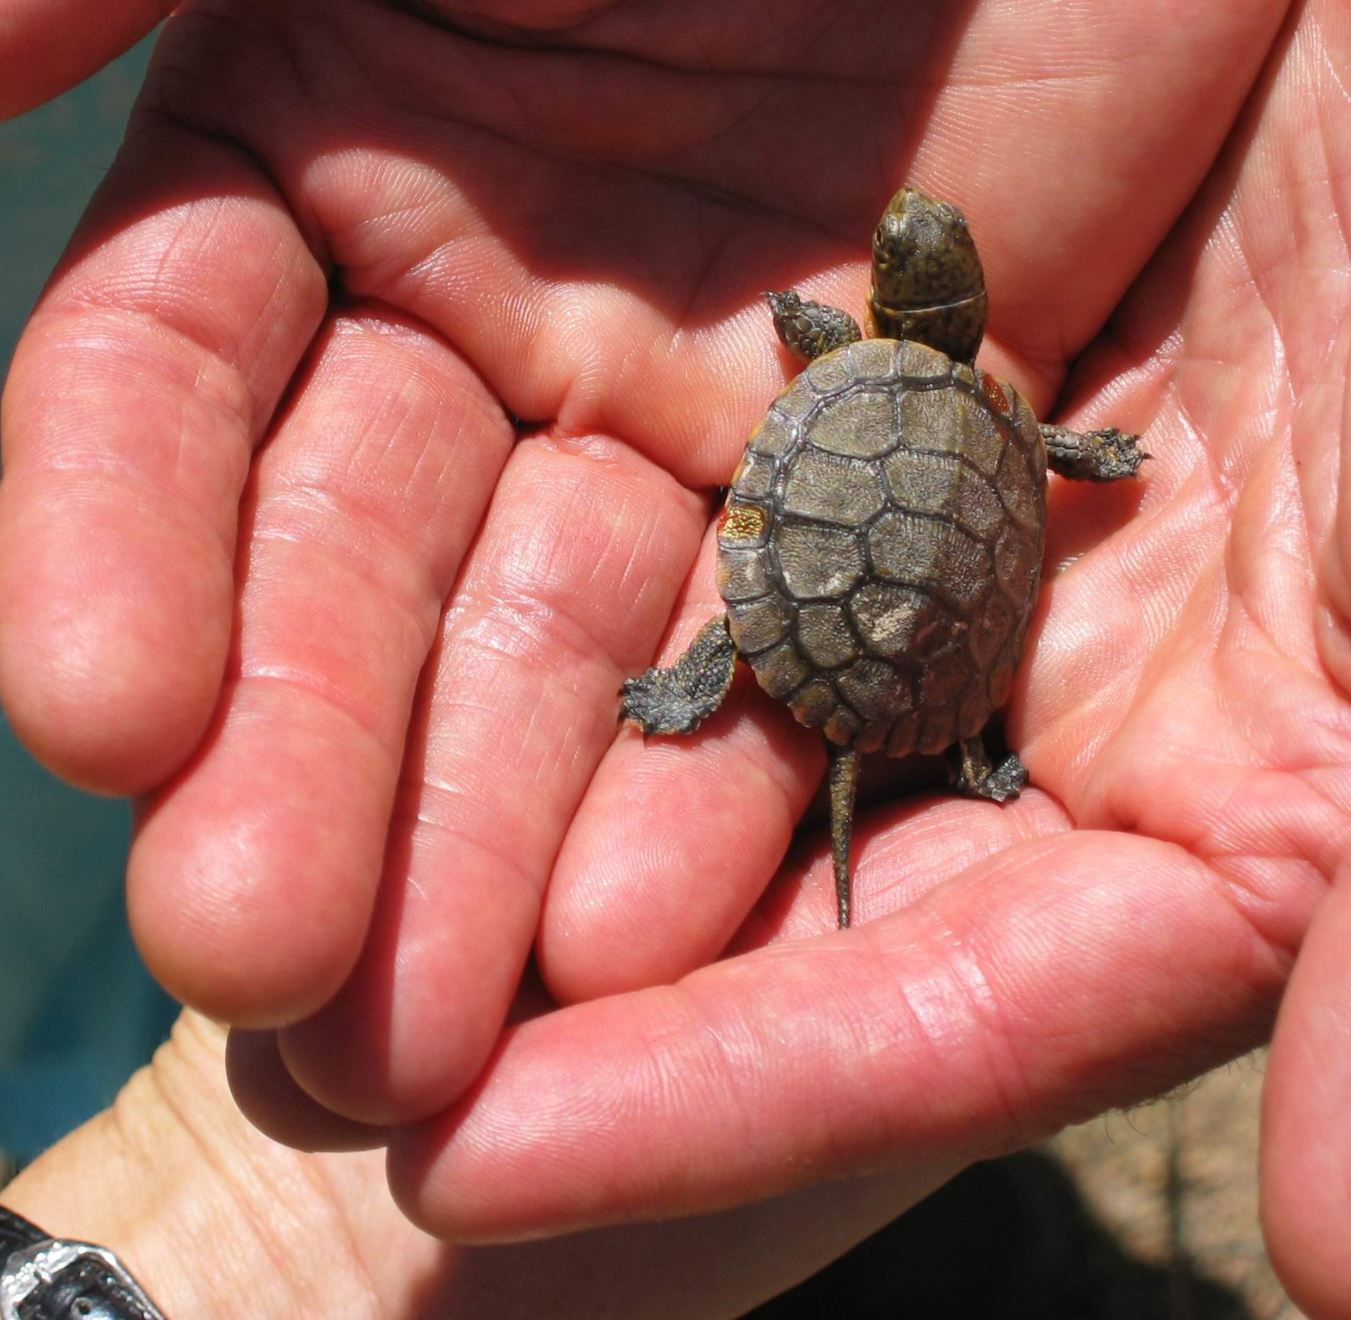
(927, 280)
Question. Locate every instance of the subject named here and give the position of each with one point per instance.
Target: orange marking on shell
(742, 522)
(994, 392)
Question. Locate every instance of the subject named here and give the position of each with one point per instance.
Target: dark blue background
(78, 1012)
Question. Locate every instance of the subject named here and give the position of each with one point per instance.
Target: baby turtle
(880, 549)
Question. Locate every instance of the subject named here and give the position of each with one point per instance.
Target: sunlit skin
(274, 557)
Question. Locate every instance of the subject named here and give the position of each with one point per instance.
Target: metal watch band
(47, 1278)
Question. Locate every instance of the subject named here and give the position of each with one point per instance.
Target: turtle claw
(1119, 453)
(975, 776)
(1105, 455)
(681, 698)
(1005, 782)
(656, 705)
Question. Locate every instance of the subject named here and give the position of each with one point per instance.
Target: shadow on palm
(592, 218)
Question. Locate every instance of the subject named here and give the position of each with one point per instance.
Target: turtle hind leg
(681, 698)
(809, 329)
(975, 775)
(1106, 455)
(844, 763)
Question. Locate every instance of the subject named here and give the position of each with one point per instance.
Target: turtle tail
(844, 763)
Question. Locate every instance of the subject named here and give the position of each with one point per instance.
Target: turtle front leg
(809, 329)
(1106, 455)
(975, 775)
(681, 698)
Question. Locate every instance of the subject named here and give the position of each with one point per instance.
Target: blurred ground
(1177, 1184)
(78, 1011)
(1147, 1215)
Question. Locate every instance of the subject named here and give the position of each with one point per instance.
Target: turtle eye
(889, 229)
(947, 213)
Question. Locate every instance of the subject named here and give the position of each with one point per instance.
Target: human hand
(586, 214)
(215, 1219)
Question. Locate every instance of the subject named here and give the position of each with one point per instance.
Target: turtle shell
(880, 548)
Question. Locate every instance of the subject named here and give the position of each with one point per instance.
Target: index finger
(148, 373)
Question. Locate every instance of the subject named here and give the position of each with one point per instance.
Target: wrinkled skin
(359, 649)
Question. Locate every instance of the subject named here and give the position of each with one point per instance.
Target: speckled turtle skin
(880, 547)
